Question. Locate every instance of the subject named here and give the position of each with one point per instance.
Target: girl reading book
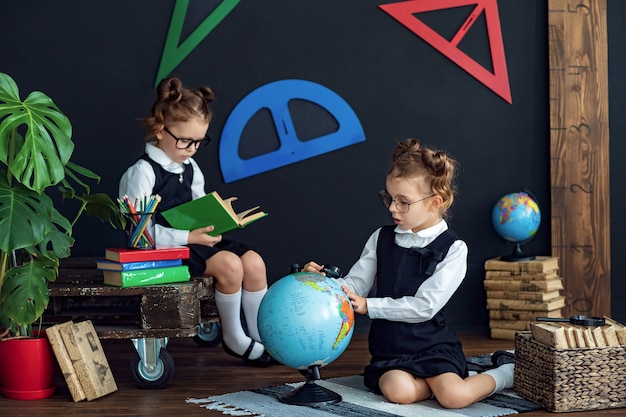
(175, 131)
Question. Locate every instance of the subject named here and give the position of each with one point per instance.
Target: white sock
(503, 375)
(250, 302)
(229, 309)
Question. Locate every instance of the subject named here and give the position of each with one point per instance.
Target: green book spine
(145, 277)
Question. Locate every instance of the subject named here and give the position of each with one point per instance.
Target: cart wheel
(209, 334)
(156, 378)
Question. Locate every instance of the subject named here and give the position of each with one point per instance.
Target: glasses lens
(187, 143)
(385, 198)
(402, 204)
(182, 143)
(204, 142)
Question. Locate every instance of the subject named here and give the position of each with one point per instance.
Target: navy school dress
(423, 349)
(174, 190)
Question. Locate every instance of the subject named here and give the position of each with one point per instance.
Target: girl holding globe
(414, 268)
(175, 131)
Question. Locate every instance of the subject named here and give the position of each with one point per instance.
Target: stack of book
(568, 336)
(82, 360)
(138, 267)
(519, 292)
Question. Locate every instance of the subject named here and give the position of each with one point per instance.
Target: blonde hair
(176, 103)
(435, 168)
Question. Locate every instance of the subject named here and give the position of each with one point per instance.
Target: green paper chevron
(175, 51)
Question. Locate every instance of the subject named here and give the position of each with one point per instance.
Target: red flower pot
(26, 368)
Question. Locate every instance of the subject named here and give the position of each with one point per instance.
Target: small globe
(305, 320)
(516, 217)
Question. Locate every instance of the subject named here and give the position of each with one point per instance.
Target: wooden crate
(166, 310)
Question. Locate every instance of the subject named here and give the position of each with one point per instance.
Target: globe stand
(310, 393)
(517, 255)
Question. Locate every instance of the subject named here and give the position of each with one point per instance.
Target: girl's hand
(313, 267)
(201, 237)
(359, 304)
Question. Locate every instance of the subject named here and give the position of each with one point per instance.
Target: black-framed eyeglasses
(401, 202)
(185, 143)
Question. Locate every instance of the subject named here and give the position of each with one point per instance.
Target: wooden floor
(201, 372)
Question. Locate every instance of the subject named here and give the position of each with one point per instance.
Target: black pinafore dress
(423, 349)
(175, 189)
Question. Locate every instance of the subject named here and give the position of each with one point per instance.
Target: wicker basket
(570, 379)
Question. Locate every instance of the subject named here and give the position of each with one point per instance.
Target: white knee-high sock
(229, 309)
(503, 375)
(250, 302)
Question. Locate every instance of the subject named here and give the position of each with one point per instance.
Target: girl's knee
(252, 259)
(253, 265)
(401, 396)
(402, 388)
(225, 266)
(454, 399)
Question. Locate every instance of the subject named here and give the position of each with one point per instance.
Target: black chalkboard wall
(99, 60)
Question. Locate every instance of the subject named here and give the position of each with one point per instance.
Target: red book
(135, 255)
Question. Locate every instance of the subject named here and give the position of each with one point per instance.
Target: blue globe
(305, 319)
(516, 217)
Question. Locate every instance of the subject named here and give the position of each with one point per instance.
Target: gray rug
(357, 401)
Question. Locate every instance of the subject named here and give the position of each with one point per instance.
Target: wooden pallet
(166, 310)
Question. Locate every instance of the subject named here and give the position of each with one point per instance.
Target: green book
(143, 277)
(211, 210)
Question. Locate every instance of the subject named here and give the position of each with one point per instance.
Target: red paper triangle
(498, 81)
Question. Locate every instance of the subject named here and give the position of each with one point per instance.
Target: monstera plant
(35, 150)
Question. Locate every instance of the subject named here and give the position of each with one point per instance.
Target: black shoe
(262, 361)
(500, 357)
(476, 367)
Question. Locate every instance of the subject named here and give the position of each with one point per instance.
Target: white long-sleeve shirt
(430, 297)
(139, 180)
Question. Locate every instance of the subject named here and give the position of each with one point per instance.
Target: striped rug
(357, 401)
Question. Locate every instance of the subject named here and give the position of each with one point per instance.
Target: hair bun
(436, 162)
(206, 93)
(406, 149)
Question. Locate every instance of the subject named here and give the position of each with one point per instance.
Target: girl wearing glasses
(413, 268)
(175, 131)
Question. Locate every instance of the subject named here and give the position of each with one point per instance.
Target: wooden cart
(148, 315)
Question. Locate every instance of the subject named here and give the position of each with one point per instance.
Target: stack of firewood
(520, 291)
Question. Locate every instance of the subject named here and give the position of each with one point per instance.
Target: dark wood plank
(579, 152)
(201, 372)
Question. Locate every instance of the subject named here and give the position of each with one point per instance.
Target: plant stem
(79, 212)
(10, 155)
(4, 258)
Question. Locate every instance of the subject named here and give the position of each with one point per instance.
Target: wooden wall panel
(579, 152)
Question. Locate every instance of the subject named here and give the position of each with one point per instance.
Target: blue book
(134, 266)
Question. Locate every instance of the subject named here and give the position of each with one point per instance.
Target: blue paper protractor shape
(275, 97)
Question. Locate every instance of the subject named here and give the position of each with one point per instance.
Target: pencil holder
(139, 230)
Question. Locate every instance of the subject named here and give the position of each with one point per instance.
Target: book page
(228, 204)
(246, 214)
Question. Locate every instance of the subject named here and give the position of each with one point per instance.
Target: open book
(211, 210)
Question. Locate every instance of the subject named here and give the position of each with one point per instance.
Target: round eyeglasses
(402, 204)
(185, 143)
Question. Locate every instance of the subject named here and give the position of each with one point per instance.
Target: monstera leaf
(59, 238)
(24, 292)
(35, 137)
(25, 216)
